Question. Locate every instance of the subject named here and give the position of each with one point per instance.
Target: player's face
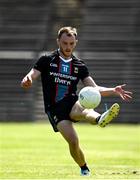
(66, 45)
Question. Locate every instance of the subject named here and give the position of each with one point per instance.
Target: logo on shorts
(55, 119)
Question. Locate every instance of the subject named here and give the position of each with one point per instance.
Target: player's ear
(76, 41)
(57, 40)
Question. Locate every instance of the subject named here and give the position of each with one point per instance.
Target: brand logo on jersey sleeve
(76, 70)
(53, 65)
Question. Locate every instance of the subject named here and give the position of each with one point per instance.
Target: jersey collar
(65, 60)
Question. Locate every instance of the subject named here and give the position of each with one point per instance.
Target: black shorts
(61, 110)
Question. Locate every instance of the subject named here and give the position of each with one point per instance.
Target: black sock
(97, 119)
(84, 167)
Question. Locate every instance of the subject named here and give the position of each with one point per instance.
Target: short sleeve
(39, 65)
(84, 72)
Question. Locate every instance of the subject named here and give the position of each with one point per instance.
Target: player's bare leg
(79, 113)
(65, 127)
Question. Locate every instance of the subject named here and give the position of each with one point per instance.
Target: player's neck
(63, 56)
(65, 60)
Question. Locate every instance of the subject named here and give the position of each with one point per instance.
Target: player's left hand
(125, 95)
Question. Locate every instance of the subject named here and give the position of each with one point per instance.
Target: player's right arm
(28, 79)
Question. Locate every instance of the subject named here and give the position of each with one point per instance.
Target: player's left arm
(118, 90)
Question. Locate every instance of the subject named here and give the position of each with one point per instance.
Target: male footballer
(60, 73)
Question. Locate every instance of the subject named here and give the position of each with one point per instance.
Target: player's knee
(76, 112)
(74, 116)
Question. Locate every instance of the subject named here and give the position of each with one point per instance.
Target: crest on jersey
(76, 70)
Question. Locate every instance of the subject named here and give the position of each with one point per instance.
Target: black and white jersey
(59, 76)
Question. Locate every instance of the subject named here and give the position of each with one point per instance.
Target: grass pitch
(34, 151)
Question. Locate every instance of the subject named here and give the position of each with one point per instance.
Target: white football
(89, 97)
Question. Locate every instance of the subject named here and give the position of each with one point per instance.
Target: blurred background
(109, 43)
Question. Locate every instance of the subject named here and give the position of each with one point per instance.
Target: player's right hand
(26, 82)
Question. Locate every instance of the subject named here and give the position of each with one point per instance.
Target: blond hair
(70, 31)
